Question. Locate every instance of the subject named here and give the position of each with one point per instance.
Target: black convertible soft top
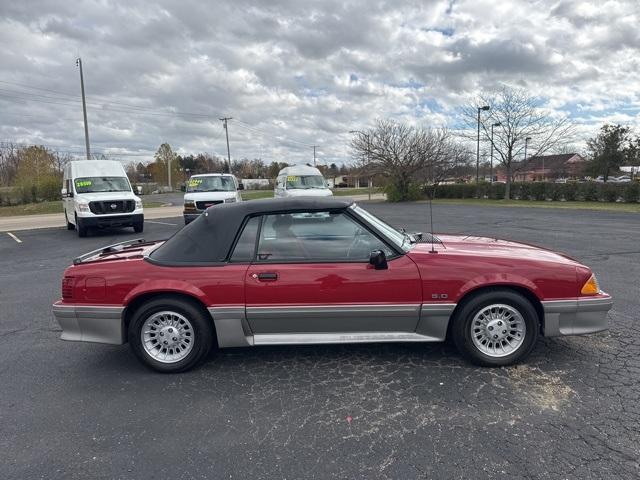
(209, 238)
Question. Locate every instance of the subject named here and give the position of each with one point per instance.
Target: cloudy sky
(293, 74)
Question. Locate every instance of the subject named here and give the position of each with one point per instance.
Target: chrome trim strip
(577, 316)
(347, 337)
(90, 323)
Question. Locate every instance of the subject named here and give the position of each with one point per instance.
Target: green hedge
(588, 192)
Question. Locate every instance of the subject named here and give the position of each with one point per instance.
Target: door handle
(266, 276)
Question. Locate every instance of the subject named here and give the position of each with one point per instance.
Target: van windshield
(305, 181)
(211, 184)
(102, 184)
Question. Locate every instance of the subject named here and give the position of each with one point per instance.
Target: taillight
(67, 287)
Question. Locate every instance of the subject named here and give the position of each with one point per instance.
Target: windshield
(399, 238)
(305, 181)
(211, 184)
(102, 184)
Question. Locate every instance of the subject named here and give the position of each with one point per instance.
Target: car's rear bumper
(576, 317)
(126, 220)
(90, 323)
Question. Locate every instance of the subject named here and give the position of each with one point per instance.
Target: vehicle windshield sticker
(83, 183)
(292, 178)
(194, 182)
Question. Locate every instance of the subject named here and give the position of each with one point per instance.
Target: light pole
(485, 108)
(365, 135)
(84, 109)
(497, 124)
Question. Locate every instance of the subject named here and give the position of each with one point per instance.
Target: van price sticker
(292, 178)
(194, 182)
(83, 183)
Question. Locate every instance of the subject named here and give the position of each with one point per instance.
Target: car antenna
(433, 191)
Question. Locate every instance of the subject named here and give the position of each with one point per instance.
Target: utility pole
(480, 109)
(226, 129)
(314, 155)
(84, 109)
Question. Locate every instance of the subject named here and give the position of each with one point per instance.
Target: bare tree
(406, 156)
(516, 116)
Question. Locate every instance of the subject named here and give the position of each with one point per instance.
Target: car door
(311, 274)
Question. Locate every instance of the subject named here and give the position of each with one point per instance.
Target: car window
(246, 245)
(317, 236)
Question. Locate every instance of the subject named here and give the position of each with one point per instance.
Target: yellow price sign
(194, 182)
(292, 178)
(83, 183)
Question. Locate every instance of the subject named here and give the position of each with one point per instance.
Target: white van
(97, 193)
(208, 189)
(301, 180)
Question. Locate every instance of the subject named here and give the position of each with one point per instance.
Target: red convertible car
(322, 270)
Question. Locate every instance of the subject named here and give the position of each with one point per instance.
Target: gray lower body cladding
(238, 326)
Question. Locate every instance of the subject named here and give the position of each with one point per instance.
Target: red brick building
(546, 167)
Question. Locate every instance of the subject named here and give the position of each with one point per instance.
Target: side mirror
(63, 192)
(378, 259)
(183, 188)
(240, 186)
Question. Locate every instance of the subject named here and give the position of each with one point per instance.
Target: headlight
(83, 207)
(230, 200)
(591, 287)
(138, 204)
(189, 205)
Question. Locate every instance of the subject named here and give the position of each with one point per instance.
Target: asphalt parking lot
(70, 410)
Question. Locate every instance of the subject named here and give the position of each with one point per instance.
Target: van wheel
(138, 227)
(70, 226)
(82, 229)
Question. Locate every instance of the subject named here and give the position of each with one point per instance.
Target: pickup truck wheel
(82, 229)
(138, 227)
(171, 335)
(495, 328)
(70, 226)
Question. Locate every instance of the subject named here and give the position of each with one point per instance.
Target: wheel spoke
(167, 336)
(498, 330)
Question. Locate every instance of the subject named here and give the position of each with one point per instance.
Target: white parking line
(14, 237)
(161, 223)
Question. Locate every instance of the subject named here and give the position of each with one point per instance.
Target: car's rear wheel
(171, 334)
(495, 328)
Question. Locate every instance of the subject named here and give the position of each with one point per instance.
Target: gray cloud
(296, 73)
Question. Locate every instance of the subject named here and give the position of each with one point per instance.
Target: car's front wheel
(171, 334)
(495, 328)
(70, 226)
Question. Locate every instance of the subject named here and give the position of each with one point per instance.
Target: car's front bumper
(126, 220)
(190, 217)
(576, 317)
(90, 323)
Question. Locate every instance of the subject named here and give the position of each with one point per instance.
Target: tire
(501, 314)
(70, 226)
(138, 227)
(82, 229)
(192, 342)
